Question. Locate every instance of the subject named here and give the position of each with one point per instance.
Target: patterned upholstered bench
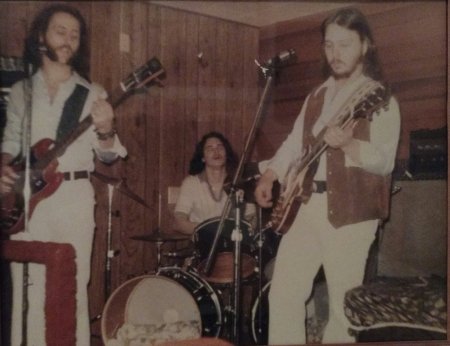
(416, 303)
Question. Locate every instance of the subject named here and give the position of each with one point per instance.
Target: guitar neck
(138, 79)
(319, 145)
(116, 98)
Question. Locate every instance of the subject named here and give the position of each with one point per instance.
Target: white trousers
(311, 242)
(67, 216)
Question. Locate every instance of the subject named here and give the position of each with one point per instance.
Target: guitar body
(283, 216)
(43, 183)
(297, 185)
(294, 193)
(44, 178)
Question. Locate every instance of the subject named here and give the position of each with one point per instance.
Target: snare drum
(222, 270)
(171, 305)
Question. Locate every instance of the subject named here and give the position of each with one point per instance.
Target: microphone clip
(263, 69)
(273, 64)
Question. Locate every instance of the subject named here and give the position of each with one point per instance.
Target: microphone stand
(269, 73)
(236, 237)
(110, 253)
(28, 100)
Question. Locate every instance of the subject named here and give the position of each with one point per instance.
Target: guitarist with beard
(345, 191)
(57, 50)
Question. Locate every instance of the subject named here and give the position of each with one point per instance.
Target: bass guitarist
(57, 49)
(345, 191)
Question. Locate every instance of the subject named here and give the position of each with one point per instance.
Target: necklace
(213, 192)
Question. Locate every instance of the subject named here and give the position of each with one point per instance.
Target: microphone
(281, 58)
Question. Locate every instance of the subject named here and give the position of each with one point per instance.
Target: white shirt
(377, 156)
(196, 201)
(45, 120)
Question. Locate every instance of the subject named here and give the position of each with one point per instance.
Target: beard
(347, 72)
(51, 52)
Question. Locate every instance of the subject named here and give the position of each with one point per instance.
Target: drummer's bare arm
(182, 224)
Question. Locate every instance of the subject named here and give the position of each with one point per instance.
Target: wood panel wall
(161, 127)
(220, 92)
(411, 40)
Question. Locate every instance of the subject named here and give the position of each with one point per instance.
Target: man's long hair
(197, 165)
(353, 19)
(39, 27)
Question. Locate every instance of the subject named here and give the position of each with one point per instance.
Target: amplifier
(428, 153)
(11, 71)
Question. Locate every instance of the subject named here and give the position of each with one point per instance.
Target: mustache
(336, 61)
(44, 48)
(64, 46)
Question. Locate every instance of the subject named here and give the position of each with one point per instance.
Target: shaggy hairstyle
(197, 165)
(353, 19)
(39, 27)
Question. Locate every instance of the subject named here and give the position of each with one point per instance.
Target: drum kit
(179, 303)
(183, 301)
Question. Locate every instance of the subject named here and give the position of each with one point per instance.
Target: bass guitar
(44, 178)
(297, 186)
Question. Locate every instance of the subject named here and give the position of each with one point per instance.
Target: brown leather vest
(354, 195)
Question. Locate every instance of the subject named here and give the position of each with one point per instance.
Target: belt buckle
(68, 175)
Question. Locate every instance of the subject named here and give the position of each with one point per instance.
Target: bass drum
(171, 305)
(260, 317)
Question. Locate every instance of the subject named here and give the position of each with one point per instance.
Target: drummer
(202, 194)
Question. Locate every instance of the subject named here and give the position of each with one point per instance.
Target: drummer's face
(214, 153)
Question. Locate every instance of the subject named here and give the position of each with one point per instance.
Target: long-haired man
(61, 97)
(350, 189)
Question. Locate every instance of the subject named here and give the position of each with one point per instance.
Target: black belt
(319, 186)
(76, 175)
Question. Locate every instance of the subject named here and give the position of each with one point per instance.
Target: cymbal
(179, 253)
(121, 186)
(157, 237)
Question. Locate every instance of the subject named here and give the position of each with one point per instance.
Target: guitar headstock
(373, 101)
(143, 76)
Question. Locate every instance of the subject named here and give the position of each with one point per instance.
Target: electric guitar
(297, 185)
(44, 177)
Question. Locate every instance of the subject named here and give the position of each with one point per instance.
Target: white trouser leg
(345, 256)
(311, 242)
(297, 262)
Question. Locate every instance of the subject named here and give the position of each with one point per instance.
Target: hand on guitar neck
(342, 138)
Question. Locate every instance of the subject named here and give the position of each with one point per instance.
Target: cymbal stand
(236, 237)
(110, 253)
(260, 265)
(159, 243)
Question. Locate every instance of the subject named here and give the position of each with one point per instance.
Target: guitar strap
(72, 111)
